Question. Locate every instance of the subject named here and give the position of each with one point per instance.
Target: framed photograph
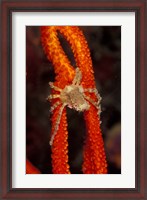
(73, 99)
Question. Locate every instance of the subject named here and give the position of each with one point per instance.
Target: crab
(74, 97)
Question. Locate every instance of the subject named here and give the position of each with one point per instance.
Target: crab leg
(95, 104)
(54, 87)
(78, 77)
(53, 96)
(57, 124)
(93, 90)
(55, 106)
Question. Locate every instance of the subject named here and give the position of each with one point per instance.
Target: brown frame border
(9, 6)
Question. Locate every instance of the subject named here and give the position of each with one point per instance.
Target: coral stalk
(30, 168)
(67, 78)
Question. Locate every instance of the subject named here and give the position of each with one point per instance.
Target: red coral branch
(30, 168)
(94, 154)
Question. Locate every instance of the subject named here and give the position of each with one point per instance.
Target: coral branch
(77, 90)
(30, 169)
(94, 145)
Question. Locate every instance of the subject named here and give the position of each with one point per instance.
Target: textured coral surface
(64, 76)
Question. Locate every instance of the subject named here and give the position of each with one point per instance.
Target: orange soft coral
(77, 90)
(30, 168)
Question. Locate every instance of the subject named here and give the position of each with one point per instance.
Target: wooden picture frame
(140, 9)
